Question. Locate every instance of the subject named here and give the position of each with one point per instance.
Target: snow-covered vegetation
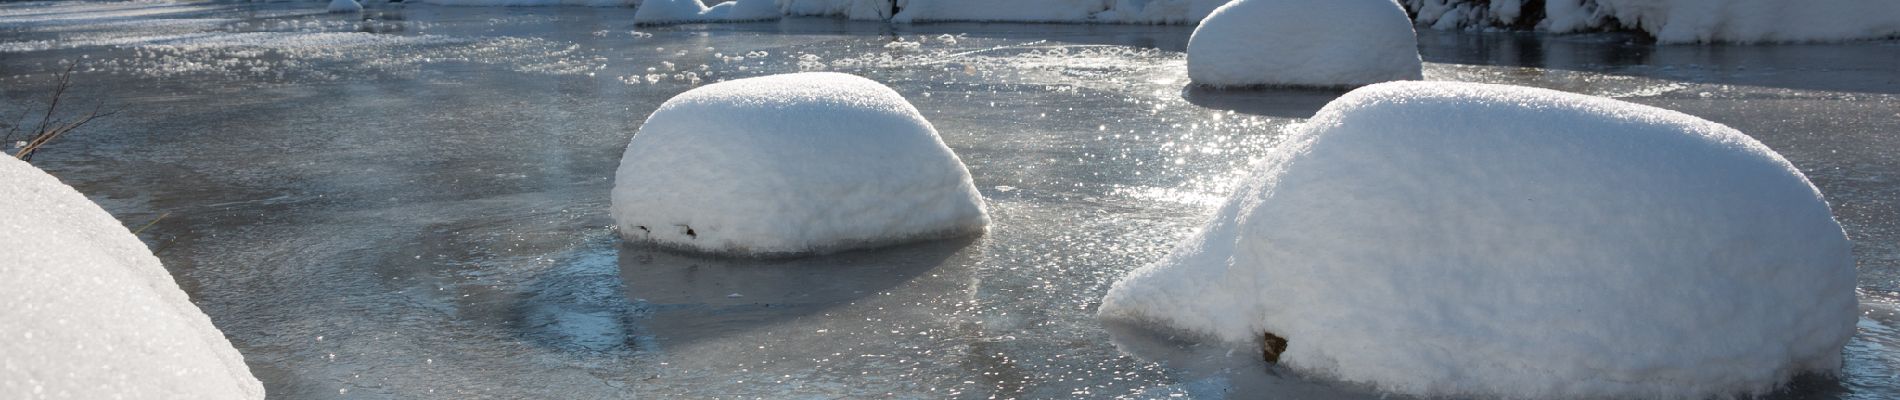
(1676, 21)
(1320, 43)
(1464, 239)
(1671, 21)
(88, 312)
(791, 164)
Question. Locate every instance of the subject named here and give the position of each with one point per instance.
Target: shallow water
(411, 203)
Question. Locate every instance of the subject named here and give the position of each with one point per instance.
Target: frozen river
(412, 203)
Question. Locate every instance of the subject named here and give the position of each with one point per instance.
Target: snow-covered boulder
(345, 6)
(1309, 43)
(87, 312)
(652, 12)
(1481, 240)
(791, 164)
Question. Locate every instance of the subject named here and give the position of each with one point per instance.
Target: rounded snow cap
(791, 164)
(1304, 43)
(88, 312)
(1454, 239)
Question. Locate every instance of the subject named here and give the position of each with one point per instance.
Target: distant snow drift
(1679, 21)
(1316, 43)
(1452, 239)
(345, 6)
(680, 11)
(87, 312)
(791, 164)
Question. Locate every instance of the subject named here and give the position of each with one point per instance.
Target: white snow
(88, 312)
(791, 164)
(684, 11)
(1684, 21)
(345, 6)
(1454, 239)
(1322, 43)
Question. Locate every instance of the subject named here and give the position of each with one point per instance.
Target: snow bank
(1680, 21)
(88, 312)
(345, 6)
(687, 11)
(1323, 43)
(790, 164)
(1480, 240)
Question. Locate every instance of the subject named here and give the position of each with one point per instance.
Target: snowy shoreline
(1668, 21)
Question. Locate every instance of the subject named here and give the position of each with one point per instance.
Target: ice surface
(1451, 239)
(679, 11)
(1116, 11)
(1304, 43)
(864, 10)
(791, 164)
(88, 312)
(1682, 21)
(516, 3)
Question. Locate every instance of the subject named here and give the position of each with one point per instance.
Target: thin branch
(49, 127)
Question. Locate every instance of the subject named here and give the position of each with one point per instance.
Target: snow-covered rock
(1681, 21)
(1311, 43)
(1481, 240)
(686, 11)
(87, 312)
(791, 164)
(345, 6)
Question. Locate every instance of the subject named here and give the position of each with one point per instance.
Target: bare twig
(50, 127)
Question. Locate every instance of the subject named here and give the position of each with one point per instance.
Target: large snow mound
(1679, 21)
(684, 11)
(1314, 43)
(791, 164)
(1451, 239)
(88, 312)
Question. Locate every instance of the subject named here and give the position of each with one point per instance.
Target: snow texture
(1312, 43)
(1453, 239)
(88, 312)
(791, 164)
(1681, 21)
(653, 12)
(345, 6)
